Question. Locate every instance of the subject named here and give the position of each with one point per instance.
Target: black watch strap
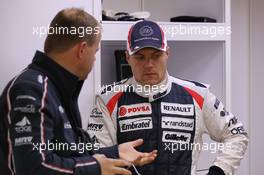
(215, 170)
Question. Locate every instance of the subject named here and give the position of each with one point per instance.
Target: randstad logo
(136, 109)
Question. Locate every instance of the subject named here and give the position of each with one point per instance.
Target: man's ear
(168, 51)
(127, 56)
(81, 49)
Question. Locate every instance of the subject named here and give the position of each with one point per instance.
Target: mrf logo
(136, 109)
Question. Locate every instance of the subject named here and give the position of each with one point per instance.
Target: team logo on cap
(146, 31)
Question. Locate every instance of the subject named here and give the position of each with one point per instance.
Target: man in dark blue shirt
(40, 123)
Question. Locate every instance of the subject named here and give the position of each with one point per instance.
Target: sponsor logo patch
(238, 130)
(96, 113)
(178, 123)
(67, 125)
(177, 108)
(40, 79)
(23, 141)
(136, 124)
(26, 109)
(95, 127)
(146, 31)
(61, 109)
(27, 97)
(23, 126)
(133, 110)
(223, 113)
(217, 103)
(232, 121)
(176, 137)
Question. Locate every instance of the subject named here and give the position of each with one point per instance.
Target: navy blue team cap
(145, 34)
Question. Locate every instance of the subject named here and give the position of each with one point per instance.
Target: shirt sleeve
(32, 124)
(224, 127)
(102, 124)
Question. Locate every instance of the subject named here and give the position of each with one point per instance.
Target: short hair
(68, 27)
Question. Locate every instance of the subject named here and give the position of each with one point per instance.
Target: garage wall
(19, 40)
(19, 44)
(240, 68)
(257, 86)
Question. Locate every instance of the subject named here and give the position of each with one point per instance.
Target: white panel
(257, 86)
(164, 10)
(18, 42)
(240, 70)
(198, 61)
(172, 8)
(122, 5)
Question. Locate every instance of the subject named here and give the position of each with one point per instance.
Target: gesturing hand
(128, 152)
(112, 166)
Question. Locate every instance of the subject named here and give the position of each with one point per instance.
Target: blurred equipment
(110, 15)
(192, 19)
(123, 69)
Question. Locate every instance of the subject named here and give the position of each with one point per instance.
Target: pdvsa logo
(136, 109)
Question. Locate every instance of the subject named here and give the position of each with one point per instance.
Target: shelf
(117, 31)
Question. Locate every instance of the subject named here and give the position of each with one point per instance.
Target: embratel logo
(133, 110)
(176, 137)
(177, 108)
(136, 124)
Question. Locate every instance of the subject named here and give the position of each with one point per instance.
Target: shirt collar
(66, 82)
(161, 89)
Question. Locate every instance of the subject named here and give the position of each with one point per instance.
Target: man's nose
(149, 62)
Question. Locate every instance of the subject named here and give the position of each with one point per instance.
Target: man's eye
(157, 55)
(140, 58)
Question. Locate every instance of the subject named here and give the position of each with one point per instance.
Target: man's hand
(112, 166)
(128, 152)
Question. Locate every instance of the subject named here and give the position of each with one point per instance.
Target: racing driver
(170, 114)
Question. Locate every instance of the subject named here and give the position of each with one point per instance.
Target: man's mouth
(149, 74)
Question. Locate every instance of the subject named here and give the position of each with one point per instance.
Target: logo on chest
(177, 108)
(176, 137)
(178, 123)
(136, 124)
(133, 110)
